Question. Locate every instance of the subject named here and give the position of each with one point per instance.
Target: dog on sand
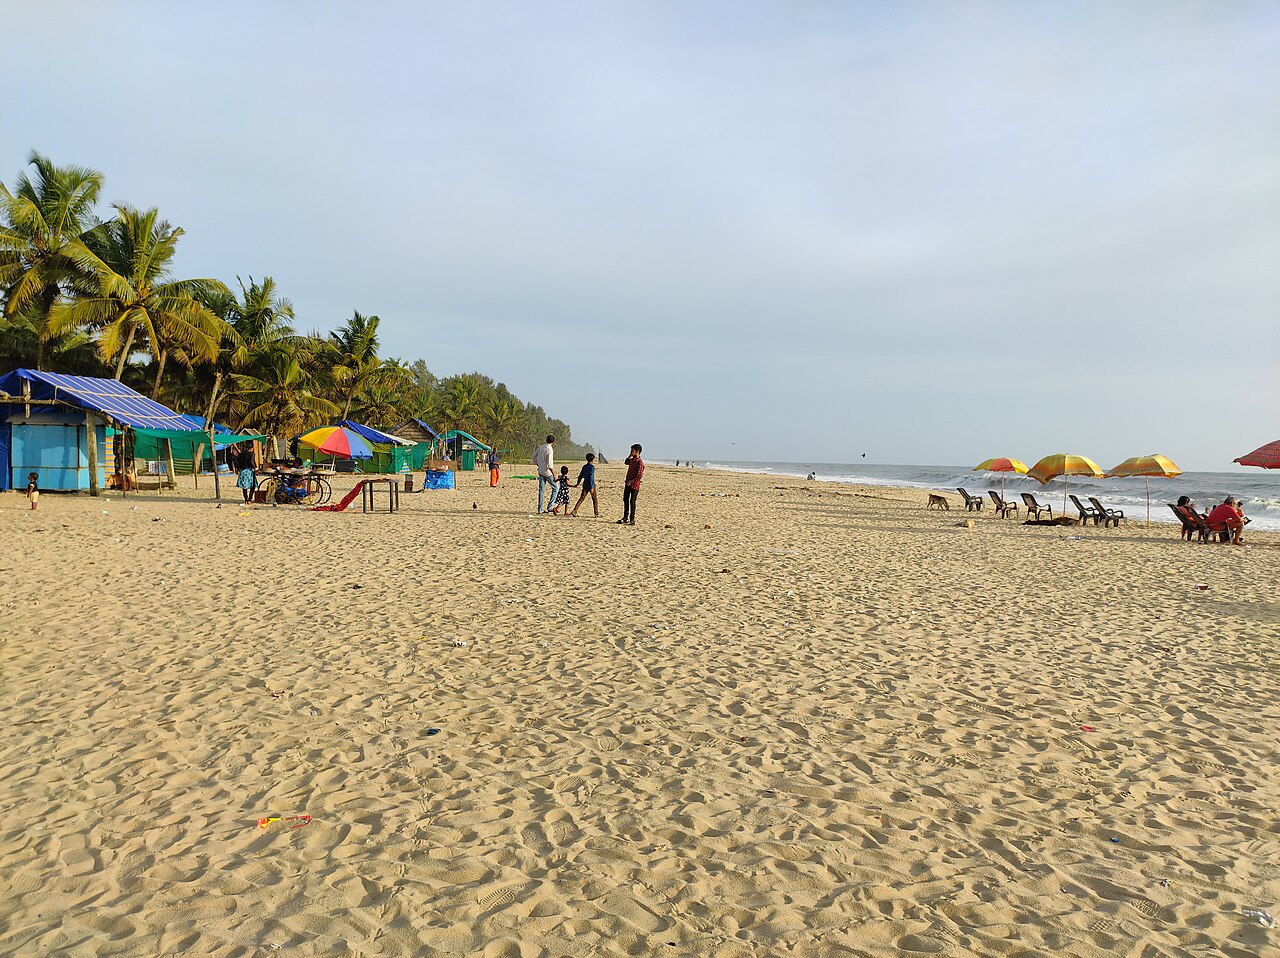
(938, 502)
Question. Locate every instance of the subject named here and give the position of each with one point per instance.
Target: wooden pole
(91, 438)
(196, 460)
(217, 480)
(171, 479)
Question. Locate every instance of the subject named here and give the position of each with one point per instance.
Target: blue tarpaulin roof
(106, 396)
(427, 428)
(374, 435)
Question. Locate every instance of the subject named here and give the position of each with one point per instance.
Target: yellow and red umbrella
(1264, 457)
(1063, 464)
(1002, 465)
(1146, 467)
(338, 441)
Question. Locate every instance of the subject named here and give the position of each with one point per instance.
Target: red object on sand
(346, 500)
(1265, 457)
(1087, 728)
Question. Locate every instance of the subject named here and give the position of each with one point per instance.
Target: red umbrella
(1266, 457)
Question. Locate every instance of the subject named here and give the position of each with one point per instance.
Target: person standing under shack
(495, 467)
(631, 490)
(544, 458)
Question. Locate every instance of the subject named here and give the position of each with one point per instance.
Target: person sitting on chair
(1228, 515)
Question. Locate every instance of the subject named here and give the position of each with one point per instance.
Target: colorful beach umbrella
(1264, 457)
(1002, 465)
(337, 441)
(1146, 467)
(1063, 464)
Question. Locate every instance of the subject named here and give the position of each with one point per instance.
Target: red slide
(346, 500)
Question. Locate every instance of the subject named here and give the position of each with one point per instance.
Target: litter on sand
(1264, 918)
(301, 820)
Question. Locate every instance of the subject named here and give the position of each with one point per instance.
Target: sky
(929, 232)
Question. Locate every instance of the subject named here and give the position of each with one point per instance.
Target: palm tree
(503, 418)
(355, 364)
(460, 404)
(137, 298)
(43, 252)
(256, 321)
(381, 405)
(278, 397)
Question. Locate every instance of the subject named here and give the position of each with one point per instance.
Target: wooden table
(393, 494)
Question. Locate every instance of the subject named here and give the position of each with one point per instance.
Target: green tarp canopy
(184, 442)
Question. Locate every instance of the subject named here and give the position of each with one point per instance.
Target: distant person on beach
(812, 475)
(562, 492)
(544, 458)
(631, 490)
(1230, 515)
(33, 489)
(587, 480)
(495, 468)
(247, 480)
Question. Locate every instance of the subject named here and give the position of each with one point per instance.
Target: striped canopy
(105, 396)
(1265, 457)
(374, 435)
(337, 441)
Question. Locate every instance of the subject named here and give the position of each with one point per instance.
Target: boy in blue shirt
(587, 480)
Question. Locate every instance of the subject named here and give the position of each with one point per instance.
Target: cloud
(805, 216)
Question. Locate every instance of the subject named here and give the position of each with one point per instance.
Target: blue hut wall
(4, 457)
(54, 447)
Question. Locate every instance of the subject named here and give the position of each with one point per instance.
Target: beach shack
(56, 425)
(463, 448)
(427, 443)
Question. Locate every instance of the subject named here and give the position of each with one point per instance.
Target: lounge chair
(1201, 523)
(1191, 521)
(970, 502)
(1109, 516)
(1003, 506)
(1086, 512)
(1034, 508)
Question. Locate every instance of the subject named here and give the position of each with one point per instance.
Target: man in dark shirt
(587, 480)
(635, 472)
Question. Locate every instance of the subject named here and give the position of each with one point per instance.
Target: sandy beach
(775, 718)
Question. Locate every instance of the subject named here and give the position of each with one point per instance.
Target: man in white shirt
(545, 460)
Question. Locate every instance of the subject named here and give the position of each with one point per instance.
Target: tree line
(96, 296)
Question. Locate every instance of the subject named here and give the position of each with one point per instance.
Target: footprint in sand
(536, 841)
(633, 912)
(500, 898)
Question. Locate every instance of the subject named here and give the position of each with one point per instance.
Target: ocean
(1258, 489)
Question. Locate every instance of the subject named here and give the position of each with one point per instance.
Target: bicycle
(285, 489)
(319, 487)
